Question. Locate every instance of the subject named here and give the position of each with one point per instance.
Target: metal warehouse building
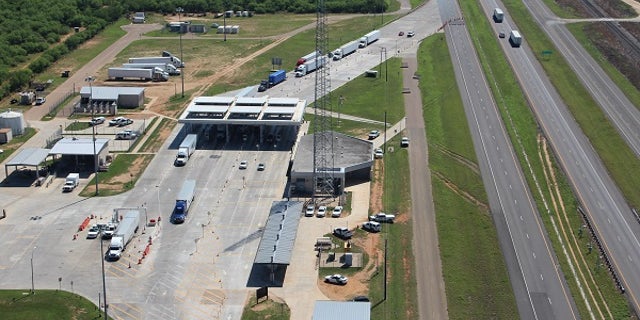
(107, 100)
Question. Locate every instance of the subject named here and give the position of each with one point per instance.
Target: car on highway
(97, 120)
(260, 166)
(337, 212)
(372, 226)
(311, 209)
(243, 164)
(401, 33)
(373, 134)
(404, 142)
(342, 233)
(501, 34)
(336, 279)
(378, 153)
(93, 232)
(382, 217)
(410, 34)
(322, 212)
(40, 101)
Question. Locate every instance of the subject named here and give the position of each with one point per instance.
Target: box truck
(515, 38)
(307, 58)
(171, 59)
(166, 67)
(137, 74)
(369, 38)
(498, 15)
(71, 182)
(345, 50)
(186, 149)
(183, 201)
(125, 231)
(310, 66)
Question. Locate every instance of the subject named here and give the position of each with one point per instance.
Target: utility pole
(180, 10)
(90, 80)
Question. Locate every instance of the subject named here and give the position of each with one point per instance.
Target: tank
(13, 120)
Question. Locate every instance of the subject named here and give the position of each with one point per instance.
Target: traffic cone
(129, 265)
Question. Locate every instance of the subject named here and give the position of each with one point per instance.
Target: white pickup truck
(382, 217)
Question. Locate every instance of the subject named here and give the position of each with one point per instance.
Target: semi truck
(498, 15)
(515, 38)
(308, 57)
(183, 201)
(345, 50)
(125, 231)
(170, 59)
(71, 182)
(369, 38)
(275, 77)
(186, 149)
(166, 67)
(310, 66)
(137, 74)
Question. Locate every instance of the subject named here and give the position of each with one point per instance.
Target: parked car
(116, 121)
(40, 100)
(243, 164)
(97, 120)
(322, 211)
(337, 212)
(382, 217)
(378, 153)
(336, 279)
(404, 142)
(124, 122)
(93, 232)
(342, 233)
(410, 34)
(260, 166)
(360, 299)
(374, 134)
(372, 226)
(311, 209)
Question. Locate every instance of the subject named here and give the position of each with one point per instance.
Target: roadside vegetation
(562, 221)
(123, 173)
(269, 309)
(476, 279)
(46, 304)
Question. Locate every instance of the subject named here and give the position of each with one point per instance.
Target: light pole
(33, 288)
(90, 80)
(104, 281)
(180, 10)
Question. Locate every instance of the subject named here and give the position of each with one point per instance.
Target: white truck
(498, 15)
(307, 58)
(515, 38)
(369, 38)
(345, 50)
(310, 66)
(127, 228)
(170, 59)
(137, 74)
(186, 149)
(166, 67)
(183, 201)
(71, 182)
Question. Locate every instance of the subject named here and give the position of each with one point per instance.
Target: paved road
(538, 285)
(603, 203)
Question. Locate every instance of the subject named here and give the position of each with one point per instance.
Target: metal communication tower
(323, 156)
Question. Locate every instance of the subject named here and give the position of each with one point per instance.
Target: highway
(539, 286)
(601, 200)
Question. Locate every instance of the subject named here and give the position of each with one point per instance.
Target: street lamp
(180, 10)
(33, 288)
(90, 80)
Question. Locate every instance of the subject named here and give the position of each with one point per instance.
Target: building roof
(279, 236)
(339, 310)
(349, 153)
(108, 93)
(29, 157)
(79, 146)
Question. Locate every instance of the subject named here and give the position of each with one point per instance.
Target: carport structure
(279, 236)
(28, 157)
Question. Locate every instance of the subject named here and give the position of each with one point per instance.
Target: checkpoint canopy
(28, 157)
(82, 147)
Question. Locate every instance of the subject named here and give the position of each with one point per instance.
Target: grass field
(46, 304)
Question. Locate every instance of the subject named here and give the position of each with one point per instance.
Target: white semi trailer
(345, 50)
(166, 67)
(310, 66)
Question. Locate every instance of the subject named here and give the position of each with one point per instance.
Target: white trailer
(137, 74)
(166, 67)
(172, 60)
(515, 38)
(345, 50)
(369, 38)
(498, 15)
(131, 222)
(307, 58)
(310, 66)
(186, 149)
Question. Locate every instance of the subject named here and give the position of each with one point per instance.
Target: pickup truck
(382, 217)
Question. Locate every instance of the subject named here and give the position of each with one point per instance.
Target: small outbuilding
(107, 100)
(79, 152)
(339, 310)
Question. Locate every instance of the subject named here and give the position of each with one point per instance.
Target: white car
(410, 34)
(40, 101)
(374, 134)
(378, 153)
(322, 211)
(372, 226)
(243, 164)
(311, 209)
(93, 232)
(382, 217)
(337, 212)
(97, 121)
(336, 279)
(116, 121)
(404, 142)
